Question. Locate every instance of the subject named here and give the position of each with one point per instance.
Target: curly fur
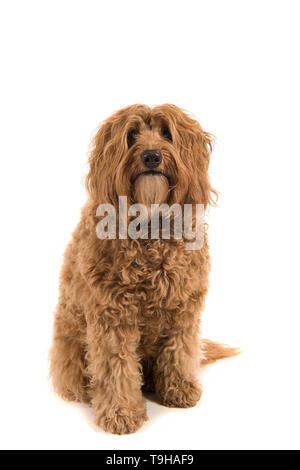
(129, 310)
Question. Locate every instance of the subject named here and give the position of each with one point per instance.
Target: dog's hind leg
(67, 356)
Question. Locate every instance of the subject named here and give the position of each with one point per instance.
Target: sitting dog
(129, 310)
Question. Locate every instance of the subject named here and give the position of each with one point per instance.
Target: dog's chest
(157, 267)
(156, 283)
(161, 278)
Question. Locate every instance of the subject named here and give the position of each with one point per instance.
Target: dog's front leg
(116, 373)
(176, 368)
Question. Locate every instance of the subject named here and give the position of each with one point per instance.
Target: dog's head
(150, 155)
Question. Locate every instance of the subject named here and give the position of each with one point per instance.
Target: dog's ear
(196, 148)
(97, 180)
(202, 145)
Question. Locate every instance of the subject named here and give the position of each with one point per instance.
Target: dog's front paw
(180, 393)
(121, 420)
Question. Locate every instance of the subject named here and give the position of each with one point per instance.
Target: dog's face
(150, 155)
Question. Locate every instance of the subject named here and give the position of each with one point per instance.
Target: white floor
(250, 401)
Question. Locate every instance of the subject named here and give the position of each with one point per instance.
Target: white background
(67, 65)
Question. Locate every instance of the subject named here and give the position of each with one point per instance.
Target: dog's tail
(213, 351)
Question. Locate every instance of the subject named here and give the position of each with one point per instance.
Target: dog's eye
(165, 132)
(131, 137)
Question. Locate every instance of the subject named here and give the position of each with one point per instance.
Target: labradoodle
(129, 310)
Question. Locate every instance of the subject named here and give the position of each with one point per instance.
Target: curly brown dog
(129, 310)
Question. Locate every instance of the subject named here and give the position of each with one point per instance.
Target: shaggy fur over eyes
(128, 313)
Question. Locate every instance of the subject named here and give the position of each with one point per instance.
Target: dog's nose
(151, 158)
